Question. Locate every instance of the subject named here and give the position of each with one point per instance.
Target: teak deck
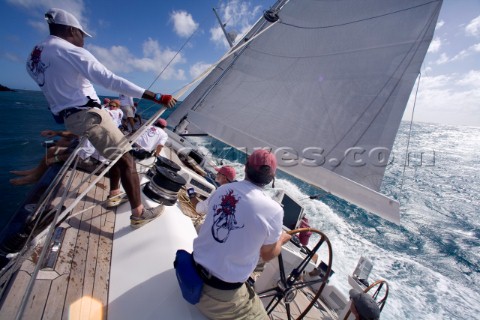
(77, 285)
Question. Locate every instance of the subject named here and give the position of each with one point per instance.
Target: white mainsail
(325, 87)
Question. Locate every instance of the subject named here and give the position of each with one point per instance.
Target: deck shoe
(116, 200)
(146, 216)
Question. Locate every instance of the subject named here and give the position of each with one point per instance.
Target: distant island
(3, 88)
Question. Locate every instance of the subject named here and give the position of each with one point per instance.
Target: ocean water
(431, 261)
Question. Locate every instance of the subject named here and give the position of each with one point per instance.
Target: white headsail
(325, 87)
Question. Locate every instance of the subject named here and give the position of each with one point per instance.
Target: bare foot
(24, 180)
(23, 172)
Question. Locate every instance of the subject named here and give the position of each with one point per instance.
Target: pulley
(271, 15)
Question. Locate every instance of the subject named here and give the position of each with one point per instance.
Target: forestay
(325, 87)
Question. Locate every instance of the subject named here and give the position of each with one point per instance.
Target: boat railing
(60, 210)
(37, 216)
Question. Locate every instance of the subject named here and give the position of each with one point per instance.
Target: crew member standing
(65, 71)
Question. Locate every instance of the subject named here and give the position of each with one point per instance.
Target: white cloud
(461, 55)
(198, 68)
(443, 59)
(473, 27)
(217, 36)
(183, 23)
(434, 83)
(440, 24)
(453, 99)
(435, 45)
(471, 79)
(238, 16)
(38, 8)
(40, 26)
(236, 12)
(116, 58)
(120, 60)
(12, 57)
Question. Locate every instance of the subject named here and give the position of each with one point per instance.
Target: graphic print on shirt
(224, 219)
(36, 67)
(152, 132)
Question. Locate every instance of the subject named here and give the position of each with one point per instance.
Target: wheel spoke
(287, 307)
(273, 304)
(285, 292)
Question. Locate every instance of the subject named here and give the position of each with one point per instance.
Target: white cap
(59, 16)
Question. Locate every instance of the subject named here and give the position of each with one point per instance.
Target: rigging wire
(165, 68)
(173, 58)
(410, 133)
(60, 211)
(180, 92)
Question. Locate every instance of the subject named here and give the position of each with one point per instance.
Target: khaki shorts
(128, 112)
(98, 126)
(241, 303)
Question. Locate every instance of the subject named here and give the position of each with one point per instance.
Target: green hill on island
(3, 88)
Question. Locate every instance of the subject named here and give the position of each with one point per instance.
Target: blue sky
(137, 39)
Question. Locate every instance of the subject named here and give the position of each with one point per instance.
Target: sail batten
(326, 85)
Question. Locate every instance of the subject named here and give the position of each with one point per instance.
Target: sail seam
(412, 52)
(360, 20)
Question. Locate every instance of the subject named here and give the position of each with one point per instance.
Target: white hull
(143, 284)
(139, 280)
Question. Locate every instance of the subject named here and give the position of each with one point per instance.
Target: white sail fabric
(325, 87)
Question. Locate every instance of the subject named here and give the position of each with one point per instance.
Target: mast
(222, 25)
